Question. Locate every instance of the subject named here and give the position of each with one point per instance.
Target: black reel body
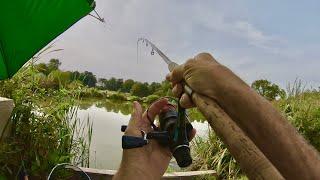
(178, 128)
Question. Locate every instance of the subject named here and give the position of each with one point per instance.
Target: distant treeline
(57, 77)
(52, 77)
(136, 88)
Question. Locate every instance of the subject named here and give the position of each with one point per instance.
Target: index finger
(155, 109)
(176, 75)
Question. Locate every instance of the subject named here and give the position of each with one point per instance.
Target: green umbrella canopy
(26, 26)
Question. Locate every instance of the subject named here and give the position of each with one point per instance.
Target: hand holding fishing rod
(200, 81)
(175, 123)
(261, 140)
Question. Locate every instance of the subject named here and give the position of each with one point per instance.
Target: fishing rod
(169, 62)
(173, 122)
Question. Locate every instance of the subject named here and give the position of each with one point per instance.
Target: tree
(76, 76)
(154, 86)
(57, 79)
(101, 82)
(119, 84)
(127, 85)
(53, 65)
(140, 89)
(112, 84)
(89, 79)
(42, 68)
(268, 90)
(164, 89)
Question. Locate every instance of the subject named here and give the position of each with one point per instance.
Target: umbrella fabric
(26, 26)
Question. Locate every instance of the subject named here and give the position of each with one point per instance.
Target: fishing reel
(173, 132)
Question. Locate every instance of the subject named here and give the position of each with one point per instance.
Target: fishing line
(67, 166)
(154, 49)
(147, 43)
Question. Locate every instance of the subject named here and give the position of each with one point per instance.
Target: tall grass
(210, 153)
(296, 88)
(45, 130)
(302, 109)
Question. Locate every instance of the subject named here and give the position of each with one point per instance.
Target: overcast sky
(274, 40)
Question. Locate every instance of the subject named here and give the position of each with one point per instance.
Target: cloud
(182, 29)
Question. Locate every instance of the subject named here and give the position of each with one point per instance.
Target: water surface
(107, 118)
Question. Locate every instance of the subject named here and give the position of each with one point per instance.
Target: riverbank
(46, 129)
(95, 93)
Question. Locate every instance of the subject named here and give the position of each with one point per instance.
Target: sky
(274, 40)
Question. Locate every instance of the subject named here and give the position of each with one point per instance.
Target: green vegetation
(302, 109)
(268, 90)
(211, 153)
(49, 76)
(53, 77)
(44, 129)
(134, 88)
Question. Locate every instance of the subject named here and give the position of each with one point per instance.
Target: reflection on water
(107, 117)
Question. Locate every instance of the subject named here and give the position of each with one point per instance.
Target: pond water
(107, 118)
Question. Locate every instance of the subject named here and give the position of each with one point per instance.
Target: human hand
(205, 76)
(151, 160)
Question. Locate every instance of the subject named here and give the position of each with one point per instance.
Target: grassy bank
(45, 129)
(89, 93)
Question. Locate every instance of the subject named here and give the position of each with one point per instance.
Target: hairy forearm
(268, 129)
(132, 167)
(131, 173)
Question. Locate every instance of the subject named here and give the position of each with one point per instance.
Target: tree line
(136, 88)
(56, 77)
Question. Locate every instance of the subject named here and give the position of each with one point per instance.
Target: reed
(45, 129)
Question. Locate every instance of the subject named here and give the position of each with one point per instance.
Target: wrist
(132, 171)
(133, 166)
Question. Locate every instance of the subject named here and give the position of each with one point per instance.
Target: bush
(133, 98)
(150, 99)
(118, 96)
(74, 85)
(92, 93)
